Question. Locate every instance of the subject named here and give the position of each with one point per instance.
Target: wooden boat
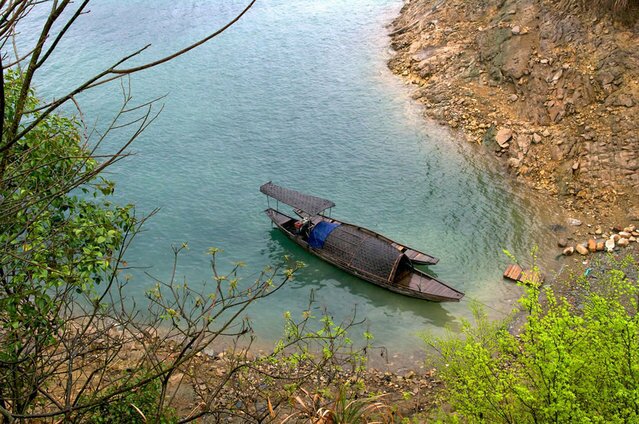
(415, 256)
(357, 250)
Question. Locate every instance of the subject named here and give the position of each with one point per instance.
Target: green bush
(137, 406)
(571, 363)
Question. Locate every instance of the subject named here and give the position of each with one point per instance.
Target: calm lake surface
(297, 93)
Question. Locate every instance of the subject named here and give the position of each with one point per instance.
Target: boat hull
(414, 283)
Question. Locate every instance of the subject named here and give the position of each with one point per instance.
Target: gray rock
(574, 222)
(610, 245)
(562, 242)
(536, 138)
(490, 42)
(523, 142)
(515, 56)
(623, 100)
(568, 251)
(514, 162)
(605, 77)
(502, 137)
(557, 75)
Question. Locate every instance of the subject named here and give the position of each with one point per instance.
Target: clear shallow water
(297, 93)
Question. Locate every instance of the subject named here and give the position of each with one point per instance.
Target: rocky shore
(598, 240)
(550, 88)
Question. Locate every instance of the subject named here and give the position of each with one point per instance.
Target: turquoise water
(297, 93)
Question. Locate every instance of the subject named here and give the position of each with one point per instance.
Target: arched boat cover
(360, 251)
(319, 233)
(310, 204)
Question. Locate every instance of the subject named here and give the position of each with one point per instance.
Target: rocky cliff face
(549, 87)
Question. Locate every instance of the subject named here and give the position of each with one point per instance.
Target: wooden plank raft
(528, 276)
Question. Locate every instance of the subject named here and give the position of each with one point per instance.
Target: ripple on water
(298, 93)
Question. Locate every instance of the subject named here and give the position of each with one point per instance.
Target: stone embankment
(599, 241)
(549, 87)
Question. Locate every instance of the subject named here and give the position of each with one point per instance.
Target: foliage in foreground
(343, 409)
(73, 349)
(133, 407)
(569, 364)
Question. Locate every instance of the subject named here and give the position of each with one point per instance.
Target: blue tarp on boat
(319, 233)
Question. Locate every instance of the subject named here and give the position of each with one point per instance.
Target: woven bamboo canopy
(310, 204)
(366, 254)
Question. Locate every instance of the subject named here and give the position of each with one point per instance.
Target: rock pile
(618, 237)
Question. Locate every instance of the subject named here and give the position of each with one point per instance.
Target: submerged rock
(574, 222)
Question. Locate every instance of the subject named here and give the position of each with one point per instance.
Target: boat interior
(298, 227)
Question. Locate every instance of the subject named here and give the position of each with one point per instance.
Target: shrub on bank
(572, 362)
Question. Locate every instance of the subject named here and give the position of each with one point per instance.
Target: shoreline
(493, 75)
(544, 108)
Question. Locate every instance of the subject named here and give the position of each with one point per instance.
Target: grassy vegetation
(574, 361)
